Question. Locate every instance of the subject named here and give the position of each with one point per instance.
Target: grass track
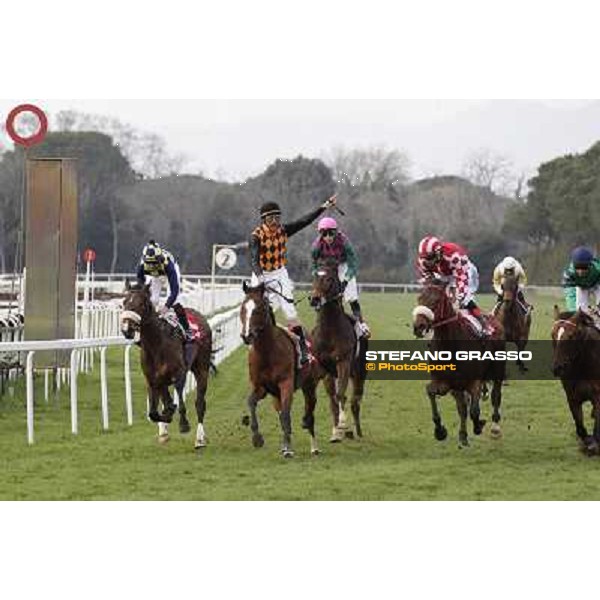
(398, 459)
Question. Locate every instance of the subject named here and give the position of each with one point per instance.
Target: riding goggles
(329, 233)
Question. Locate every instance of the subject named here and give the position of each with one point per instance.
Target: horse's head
(434, 305)
(568, 333)
(137, 306)
(327, 286)
(510, 287)
(255, 313)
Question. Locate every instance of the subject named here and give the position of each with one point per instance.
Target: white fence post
(104, 387)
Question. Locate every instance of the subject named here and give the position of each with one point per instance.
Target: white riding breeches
(158, 283)
(473, 285)
(351, 293)
(279, 281)
(584, 298)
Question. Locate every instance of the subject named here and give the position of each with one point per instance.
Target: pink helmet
(429, 246)
(327, 224)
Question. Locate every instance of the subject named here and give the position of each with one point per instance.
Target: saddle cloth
(296, 340)
(171, 318)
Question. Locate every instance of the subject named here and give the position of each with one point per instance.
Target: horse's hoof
(349, 435)
(164, 439)
(479, 427)
(246, 421)
(184, 428)
(287, 453)
(496, 431)
(316, 452)
(463, 444)
(200, 444)
(441, 434)
(258, 441)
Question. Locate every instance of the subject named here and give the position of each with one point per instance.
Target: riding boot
(299, 331)
(183, 320)
(365, 332)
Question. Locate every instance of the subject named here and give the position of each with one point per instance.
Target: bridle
(323, 300)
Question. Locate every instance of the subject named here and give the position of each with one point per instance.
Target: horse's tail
(213, 366)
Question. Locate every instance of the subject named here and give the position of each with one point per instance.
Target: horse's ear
(245, 287)
(147, 288)
(556, 313)
(127, 284)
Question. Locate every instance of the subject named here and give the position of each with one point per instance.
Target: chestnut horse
(576, 361)
(336, 347)
(452, 332)
(514, 317)
(272, 364)
(165, 360)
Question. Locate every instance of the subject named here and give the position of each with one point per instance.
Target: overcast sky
(238, 138)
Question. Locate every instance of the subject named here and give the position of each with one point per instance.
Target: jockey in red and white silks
(450, 263)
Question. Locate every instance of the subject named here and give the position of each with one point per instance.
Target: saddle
(475, 325)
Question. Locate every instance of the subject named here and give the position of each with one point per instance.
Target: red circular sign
(36, 138)
(89, 255)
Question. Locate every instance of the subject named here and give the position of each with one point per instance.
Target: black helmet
(270, 209)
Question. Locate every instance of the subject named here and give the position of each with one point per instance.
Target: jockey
(158, 264)
(268, 256)
(333, 243)
(450, 263)
(511, 267)
(581, 280)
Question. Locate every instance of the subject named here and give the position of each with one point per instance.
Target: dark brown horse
(273, 360)
(514, 316)
(166, 361)
(336, 347)
(576, 361)
(452, 333)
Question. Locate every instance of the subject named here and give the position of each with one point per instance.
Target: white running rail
(226, 339)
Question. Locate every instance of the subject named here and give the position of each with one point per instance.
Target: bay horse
(166, 361)
(514, 317)
(338, 350)
(576, 360)
(452, 332)
(272, 362)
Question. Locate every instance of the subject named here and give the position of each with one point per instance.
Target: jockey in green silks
(581, 280)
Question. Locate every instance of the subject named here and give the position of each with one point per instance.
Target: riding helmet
(270, 209)
(582, 257)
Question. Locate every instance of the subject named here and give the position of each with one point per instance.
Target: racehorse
(576, 361)
(514, 317)
(272, 361)
(452, 332)
(165, 361)
(338, 350)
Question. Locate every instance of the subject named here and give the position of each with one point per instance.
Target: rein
(285, 298)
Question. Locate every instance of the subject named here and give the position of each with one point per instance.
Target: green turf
(398, 459)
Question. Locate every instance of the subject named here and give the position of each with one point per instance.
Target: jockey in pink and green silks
(334, 244)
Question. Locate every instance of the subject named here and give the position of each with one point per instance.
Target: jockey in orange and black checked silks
(268, 255)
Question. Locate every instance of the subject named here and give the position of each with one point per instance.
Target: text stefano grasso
(445, 356)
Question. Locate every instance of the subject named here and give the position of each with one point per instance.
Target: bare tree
(146, 152)
(490, 170)
(372, 168)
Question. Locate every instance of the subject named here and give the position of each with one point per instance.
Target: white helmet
(509, 264)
